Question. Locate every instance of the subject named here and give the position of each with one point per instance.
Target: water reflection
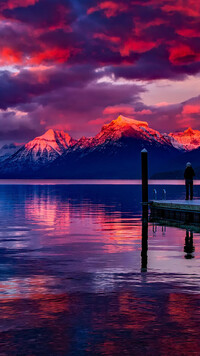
(189, 231)
(71, 281)
(189, 247)
(144, 257)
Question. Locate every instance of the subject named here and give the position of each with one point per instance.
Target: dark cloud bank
(54, 54)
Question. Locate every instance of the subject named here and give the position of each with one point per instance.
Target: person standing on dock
(189, 175)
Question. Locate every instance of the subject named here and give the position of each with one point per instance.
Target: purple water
(71, 280)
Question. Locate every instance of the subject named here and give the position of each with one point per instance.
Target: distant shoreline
(92, 182)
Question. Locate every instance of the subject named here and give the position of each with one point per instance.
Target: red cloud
(123, 109)
(12, 4)
(141, 26)
(190, 114)
(145, 112)
(57, 55)
(183, 54)
(188, 32)
(10, 56)
(161, 104)
(104, 37)
(191, 109)
(187, 7)
(136, 45)
(98, 121)
(110, 8)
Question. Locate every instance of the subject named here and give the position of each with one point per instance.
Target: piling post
(144, 163)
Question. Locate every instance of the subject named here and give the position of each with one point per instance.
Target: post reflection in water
(144, 256)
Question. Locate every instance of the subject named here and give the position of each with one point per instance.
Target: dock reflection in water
(189, 231)
(71, 280)
(189, 247)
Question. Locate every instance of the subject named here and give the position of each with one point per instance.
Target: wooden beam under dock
(185, 205)
(187, 211)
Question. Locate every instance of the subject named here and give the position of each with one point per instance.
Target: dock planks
(179, 205)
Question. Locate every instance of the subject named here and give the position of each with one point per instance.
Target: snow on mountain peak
(126, 127)
(120, 133)
(123, 123)
(49, 135)
(53, 135)
(50, 140)
(40, 151)
(189, 131)
(189, 139)
(122, 120)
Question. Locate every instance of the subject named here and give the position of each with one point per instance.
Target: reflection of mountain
(68, 213)
(113, 153)
(81, 213)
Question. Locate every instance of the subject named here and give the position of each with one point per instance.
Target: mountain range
(8, 150)
(113, 153)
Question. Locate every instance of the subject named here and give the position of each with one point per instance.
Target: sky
(74, 65)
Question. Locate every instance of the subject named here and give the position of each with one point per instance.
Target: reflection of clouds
(135, 311)
(123, 233)
(33, 287)
(83, 220)
(44, 209)
(14, 238)
(146, 324)
(127, 311)
(182, 309)
(42, 311)
(49, 306)
(125, 322)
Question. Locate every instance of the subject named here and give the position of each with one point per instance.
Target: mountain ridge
(37, 153)
(190, 139)
(57, 154)
(8, 149)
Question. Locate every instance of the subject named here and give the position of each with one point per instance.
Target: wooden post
(144, 161)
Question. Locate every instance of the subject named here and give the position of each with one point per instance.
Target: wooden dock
(185, 205)
(187, 211)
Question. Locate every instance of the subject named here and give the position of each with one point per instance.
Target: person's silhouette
(189, 175)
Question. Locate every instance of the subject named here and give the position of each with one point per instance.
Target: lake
(71, 281)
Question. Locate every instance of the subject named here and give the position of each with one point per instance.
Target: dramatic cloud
(110, 8)
(74, 64)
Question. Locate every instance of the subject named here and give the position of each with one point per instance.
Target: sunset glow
(55, 56)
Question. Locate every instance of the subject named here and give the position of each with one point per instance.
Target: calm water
(71, 280)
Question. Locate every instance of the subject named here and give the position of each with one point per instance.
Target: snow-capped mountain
(8, 150)
(188, 140)
(125, 127)
(113, 153)
(38, 152)
(52, 143)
